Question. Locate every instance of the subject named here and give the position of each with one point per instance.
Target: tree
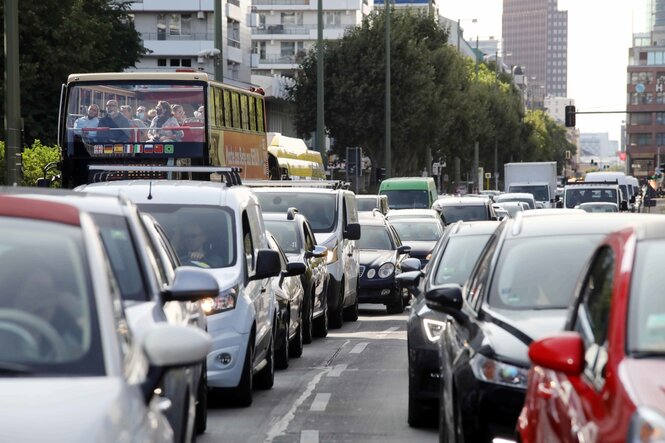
(60, 37)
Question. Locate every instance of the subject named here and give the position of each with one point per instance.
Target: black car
(421, 234)
(519, 290)
(381, 257)
(289, 293)
(294, 234)
(452, 260)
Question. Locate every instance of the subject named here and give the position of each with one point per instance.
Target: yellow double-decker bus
(222, 125)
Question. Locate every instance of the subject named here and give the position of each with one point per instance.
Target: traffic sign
(488, 175)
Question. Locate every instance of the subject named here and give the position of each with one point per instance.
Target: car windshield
(202, 236)
(365, 204)
(452, 214)
(123, 255)
(408, 199)
(48, 319)
(539, 192)
(286, 234)
(374, 237)
(575, 196)
(528, 201)
(539, 272)
(418, 230)
(319, 208)
(458, 259)
(646, 317)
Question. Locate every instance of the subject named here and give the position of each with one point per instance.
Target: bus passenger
(91, 120)
(119, 126)
(166, 120)
(139, 129)
(142, 115)
(179, 113)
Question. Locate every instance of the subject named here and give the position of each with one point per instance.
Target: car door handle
(263, 290)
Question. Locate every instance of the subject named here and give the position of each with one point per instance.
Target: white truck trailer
(537, 178)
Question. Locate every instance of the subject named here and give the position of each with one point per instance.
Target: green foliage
(60, 37)
(34, 158)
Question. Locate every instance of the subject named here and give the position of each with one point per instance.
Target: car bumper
(229, 346)
(490, 409)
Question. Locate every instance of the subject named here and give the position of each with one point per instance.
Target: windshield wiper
(647, 354)
(8, 368)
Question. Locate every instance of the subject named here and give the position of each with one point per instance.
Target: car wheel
(321, 323)
(397, 306)
(296, 344)
(282, 356)
(308, 319)
(266, 377)
(243, 392)
(351, 313)
(201, 421)
(337, 315)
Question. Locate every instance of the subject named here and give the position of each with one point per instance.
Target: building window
(177, 24)
(660, 138)
(641, 99)
(292, 18)
(288, 49)
(640, 139)
(641, 118)
(660, 118)
(333, 18)
(161, 62)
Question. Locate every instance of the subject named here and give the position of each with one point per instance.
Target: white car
(74, 371)
(219, 227)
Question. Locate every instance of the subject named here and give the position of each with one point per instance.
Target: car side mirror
(294, 268)
(267, 264)
(447, 299)
(411, 264)
(409, 281)
(624, 205)
(404, 249)
(191, 284)
(352, 231)
(563, 352)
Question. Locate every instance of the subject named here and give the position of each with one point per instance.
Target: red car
(601, 379)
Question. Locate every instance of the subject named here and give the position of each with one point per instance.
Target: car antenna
(150, 187)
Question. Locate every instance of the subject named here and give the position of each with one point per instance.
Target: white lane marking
(389, 330)
(320, 402)
(360, 347)
(279, 428)
(337, 370)
(309, 437)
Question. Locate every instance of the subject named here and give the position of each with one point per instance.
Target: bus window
(252, 114)
(235, 107)
(259, 114)
(227, 109)
(218, 107)
(245, 112)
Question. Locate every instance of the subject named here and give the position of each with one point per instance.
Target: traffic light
(570, 116)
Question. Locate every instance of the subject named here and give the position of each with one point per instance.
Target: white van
(333, 215)
(614, 176)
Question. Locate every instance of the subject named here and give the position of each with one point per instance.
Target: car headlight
(433, 329)
(646, 426)
(225, 301)
(494, 371)
(331, 255)
(386, 270)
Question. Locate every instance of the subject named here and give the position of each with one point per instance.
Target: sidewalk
(658, 209)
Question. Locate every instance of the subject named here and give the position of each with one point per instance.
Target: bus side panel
(243, 150)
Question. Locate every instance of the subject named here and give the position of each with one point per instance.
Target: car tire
(351, 313)
(201, 420)
(242, 394)
(336, 319)
(308, 319)
(397, 306)
(265, 379)
(296, 344)
(282, 356)
(321, 323)
(417, 415)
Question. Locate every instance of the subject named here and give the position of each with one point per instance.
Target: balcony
(279, 2)
(295, 29)
(152, 36)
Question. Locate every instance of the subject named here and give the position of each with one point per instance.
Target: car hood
(80, 409)
(508, 330)
(326, 239)
(643, 379)
(375, 258)
(226, 277)
(420, 248)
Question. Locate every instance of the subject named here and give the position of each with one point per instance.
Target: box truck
(537, 178)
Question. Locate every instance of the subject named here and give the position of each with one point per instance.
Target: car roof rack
(103, 173)
(331, 184)
(604, 182)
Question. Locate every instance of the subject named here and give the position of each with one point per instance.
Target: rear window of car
(319, 208)
(408, 199)
(458, 258)
(286, 234)
(452, 214)
(418, 230)
(539, 272)
(366, 204)
(646, 316)
(375, 237)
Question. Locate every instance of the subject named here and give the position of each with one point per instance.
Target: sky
(599, 35)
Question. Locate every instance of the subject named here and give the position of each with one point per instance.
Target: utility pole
(387, 142)
(219, 42)
(12, 95)
(320, 120)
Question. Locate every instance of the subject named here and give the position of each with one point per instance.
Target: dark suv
(294, 234)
